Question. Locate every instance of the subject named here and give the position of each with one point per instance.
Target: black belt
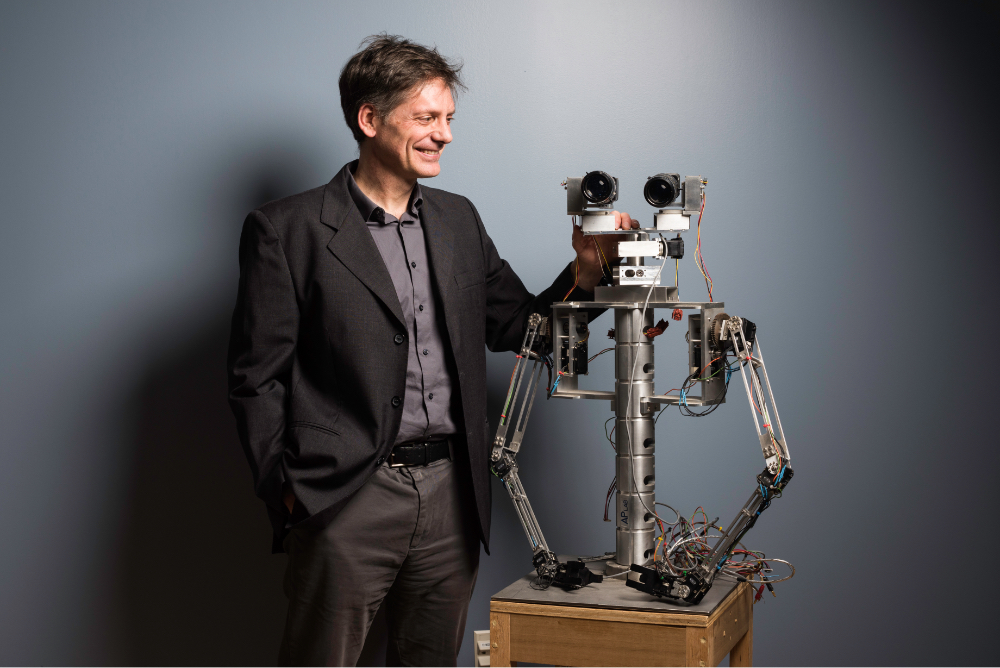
(418, 453)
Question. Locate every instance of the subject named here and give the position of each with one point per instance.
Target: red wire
(575, 283)
(701, 259)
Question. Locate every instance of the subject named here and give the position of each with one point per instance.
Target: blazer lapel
(353, 245)
(441, 248)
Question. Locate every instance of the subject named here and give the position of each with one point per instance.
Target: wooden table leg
(500, 639)
(742, 652)
(698, 647)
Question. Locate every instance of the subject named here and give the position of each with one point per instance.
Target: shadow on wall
(199, 585)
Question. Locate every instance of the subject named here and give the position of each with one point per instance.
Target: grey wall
(849, 150)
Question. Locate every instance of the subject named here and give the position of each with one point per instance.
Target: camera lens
(599, 188)
(662, 189)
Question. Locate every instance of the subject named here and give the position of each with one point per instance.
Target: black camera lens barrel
(599, 188)
(662, 189)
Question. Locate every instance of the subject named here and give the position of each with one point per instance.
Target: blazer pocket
(313, 425)
(468, 279)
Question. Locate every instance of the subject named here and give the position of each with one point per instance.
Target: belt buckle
(392, 461)
(392, 456)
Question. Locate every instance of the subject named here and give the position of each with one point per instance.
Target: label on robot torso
(623, 511)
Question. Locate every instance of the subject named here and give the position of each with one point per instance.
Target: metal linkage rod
(524, 512)
(770, 433)
(525, 410)
(517, 409)
(534, 322)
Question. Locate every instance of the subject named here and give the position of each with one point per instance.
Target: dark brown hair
(386, 69)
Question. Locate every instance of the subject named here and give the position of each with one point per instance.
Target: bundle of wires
(685, 544)
(698, 377)
(698, 259)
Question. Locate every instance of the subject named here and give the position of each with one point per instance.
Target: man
(357, 371)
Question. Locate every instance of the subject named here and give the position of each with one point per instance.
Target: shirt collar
(371, 211)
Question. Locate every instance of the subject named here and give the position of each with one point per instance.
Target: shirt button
(398, 339)
(378, 462)
(421, 307)
(430, 396)
(413, 264)
(425, 351)
(396, 401)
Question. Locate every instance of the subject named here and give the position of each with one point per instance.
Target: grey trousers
(408, 539)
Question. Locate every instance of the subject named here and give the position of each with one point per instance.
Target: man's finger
(618, 220)
(579, 240)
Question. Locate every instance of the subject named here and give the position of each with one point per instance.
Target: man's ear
(366, 120)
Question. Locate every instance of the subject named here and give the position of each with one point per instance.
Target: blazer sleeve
(261, 349)
(508, 302)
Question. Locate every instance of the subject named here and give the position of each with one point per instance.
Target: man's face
(410, 140)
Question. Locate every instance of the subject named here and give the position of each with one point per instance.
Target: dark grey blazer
(314, 364)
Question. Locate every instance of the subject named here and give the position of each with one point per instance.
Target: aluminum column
(634, 465)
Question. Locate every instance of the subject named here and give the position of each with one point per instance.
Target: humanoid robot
(718, 345)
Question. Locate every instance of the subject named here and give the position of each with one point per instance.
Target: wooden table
(609, 624)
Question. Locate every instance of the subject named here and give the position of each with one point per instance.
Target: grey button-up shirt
(427, 409)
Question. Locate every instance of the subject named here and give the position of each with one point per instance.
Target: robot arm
(738, 335)
(517, 408)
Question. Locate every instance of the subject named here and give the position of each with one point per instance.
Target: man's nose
(442, 133)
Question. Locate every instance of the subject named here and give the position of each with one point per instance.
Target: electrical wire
(598, 354)
(559, 376)
(657, 503)
(607, 499)
(603, 256)
(698, 259)
(686, 546)
(690, 381)
(576, 282)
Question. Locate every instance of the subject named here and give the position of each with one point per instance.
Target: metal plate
(631, 304)
(650, 230)
(612, 593)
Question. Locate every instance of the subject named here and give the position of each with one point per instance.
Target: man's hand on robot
(592, 258)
